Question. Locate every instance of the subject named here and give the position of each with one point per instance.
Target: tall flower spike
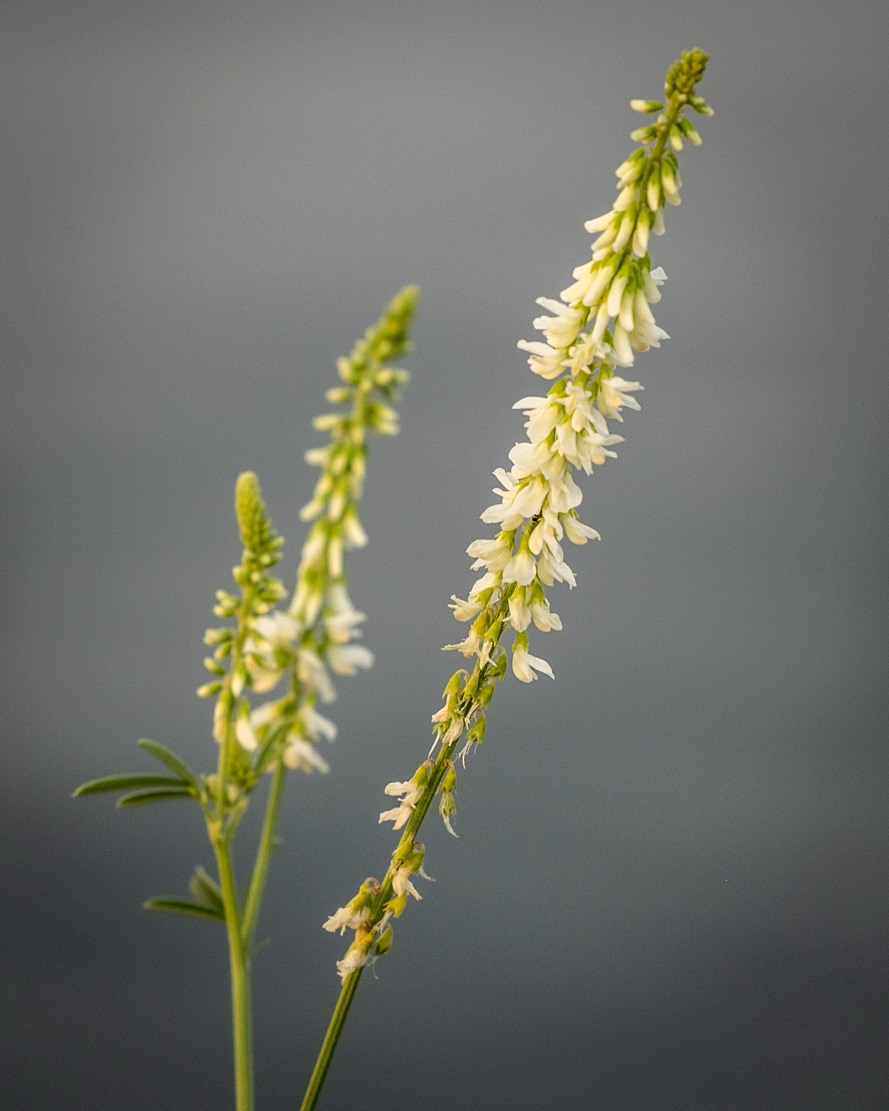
(602, 319)
(259, 591)
(314, 637)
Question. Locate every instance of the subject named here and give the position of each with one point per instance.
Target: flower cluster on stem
(315, 635)
(591, 334)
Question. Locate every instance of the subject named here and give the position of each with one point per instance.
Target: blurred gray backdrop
(670, 888)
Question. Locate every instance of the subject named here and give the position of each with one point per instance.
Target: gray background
(670, 889)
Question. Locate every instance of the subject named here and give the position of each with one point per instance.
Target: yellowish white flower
(525, 666)
(614, 393)
(411, 790)
(347, 918)
(357, 955)
(302, 755)
(347, 659)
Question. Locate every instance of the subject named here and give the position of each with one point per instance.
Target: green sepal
(476, 733)
(396, 905)
(206, 891)
(125, 783)
(141, 797)
(183, 906)
(173, 762)
(384, 942)
(499, 670)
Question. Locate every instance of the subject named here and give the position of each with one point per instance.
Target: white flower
(579, 407)
(272, 637)
(625, 198)
(412, 790)
(614, 393)
(398, 815)
(524, 666)
(348, 658)
(468, 647)
(600, 222)
(545, 533)
(640, 236)
(595, 450)
(588, 348)
(491, 554)
(544, 360)
(577, 532)
(519, 611)
(267, 713)
(407, 787)
(354, 534)
(622, 347)
(281, 630)
(335, 556)
(464, 611)
(528, 500)
(560, 330)
(608, 236)
(356, 956)
(341, 625)
(347, 918)
(244, 733)
(615, 294)
(486, 582)
(654, 278)
(565, 494)
(543, 418)
(307, 599)
(528, 458)
(549, 570)
(544, 618)
(316, 725)
(401, 882)
(311, 671)
(625, 231)
(301, 755)
(521, 569)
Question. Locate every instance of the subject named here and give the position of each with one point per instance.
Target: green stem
(240, 977)
(331, 1038)
(350, 984)
(673, 112)
(263, 855)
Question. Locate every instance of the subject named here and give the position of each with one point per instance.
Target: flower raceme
(602, 319)
(590, 335)
(314, 637)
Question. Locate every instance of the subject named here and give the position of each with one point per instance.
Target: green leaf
(206, 890)
(173, 762)
(141, 797)
(125, 783)
(183, 906)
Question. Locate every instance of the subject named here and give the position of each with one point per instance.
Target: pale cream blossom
(525, 666)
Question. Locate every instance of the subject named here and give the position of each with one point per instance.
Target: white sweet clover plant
(296, 648)
(591, 335)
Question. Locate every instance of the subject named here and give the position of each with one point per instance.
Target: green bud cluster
(259, 590)
(685, 73)
(260, 541)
